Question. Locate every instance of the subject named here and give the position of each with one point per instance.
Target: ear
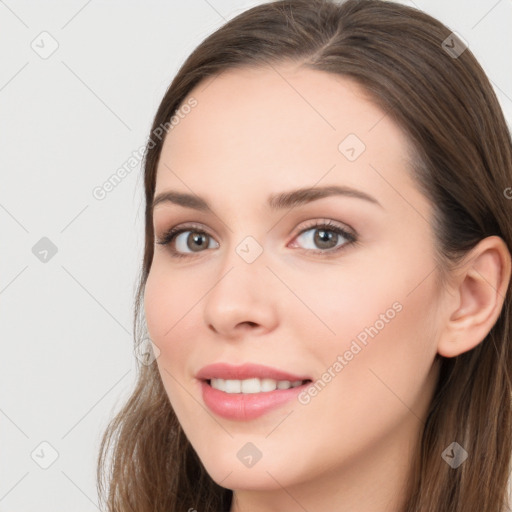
(476, 298)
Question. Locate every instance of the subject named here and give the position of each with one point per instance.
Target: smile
(247, 391)
(253, 385)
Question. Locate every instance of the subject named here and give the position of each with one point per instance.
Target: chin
(269, 474)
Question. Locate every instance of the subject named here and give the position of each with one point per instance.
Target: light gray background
(67, 123)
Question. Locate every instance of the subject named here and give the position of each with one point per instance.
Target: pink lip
(242, 406)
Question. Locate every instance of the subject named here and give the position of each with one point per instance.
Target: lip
(246, 406)
(245, 371)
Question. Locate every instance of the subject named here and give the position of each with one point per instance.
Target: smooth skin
(260, 131)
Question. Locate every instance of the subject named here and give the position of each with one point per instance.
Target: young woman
(326, 277)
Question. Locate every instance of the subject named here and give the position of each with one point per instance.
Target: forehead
(275, 128)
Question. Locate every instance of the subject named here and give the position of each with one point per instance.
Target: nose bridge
(242, 269)
(245, 245)
(241, 291)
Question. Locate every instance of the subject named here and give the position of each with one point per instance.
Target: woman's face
(258, 283)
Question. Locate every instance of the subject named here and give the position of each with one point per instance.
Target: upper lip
(245, 371)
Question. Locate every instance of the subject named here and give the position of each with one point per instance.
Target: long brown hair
(463, 164)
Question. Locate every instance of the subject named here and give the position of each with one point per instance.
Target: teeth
(232, 386)
(252, 385)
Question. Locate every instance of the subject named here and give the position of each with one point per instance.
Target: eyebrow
(279, 201)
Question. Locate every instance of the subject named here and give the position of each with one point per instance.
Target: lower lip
(246, 406)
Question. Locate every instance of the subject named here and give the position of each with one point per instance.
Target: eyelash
(328, 225)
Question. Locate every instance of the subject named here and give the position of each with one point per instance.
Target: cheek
(169, 311)
(173, 304)
(385, 386)
(385, 338)
(390, 309)
(383, 327)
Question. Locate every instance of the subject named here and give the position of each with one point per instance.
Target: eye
(186, 240)
(326, 236)
(190, 237)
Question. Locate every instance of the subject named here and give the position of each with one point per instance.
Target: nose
(243, 298)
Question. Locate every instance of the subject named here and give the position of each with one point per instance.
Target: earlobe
(482, 284)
